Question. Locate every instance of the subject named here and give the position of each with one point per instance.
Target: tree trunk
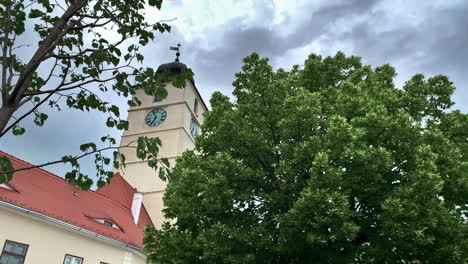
(6, 111)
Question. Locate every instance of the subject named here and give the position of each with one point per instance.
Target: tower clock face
(193, 128)
(156, 117)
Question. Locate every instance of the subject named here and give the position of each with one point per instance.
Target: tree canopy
(74, 65)
(326, 163)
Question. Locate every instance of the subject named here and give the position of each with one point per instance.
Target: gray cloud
(216, 66)
(438, 45)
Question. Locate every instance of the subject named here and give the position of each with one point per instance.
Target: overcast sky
(428, 37)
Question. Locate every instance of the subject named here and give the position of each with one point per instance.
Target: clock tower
(176, 121)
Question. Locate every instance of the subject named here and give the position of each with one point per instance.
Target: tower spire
(178, 51)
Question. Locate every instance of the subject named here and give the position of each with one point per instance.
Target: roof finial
(177, 53)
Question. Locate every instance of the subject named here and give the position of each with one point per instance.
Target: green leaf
(35, 13)
(88, 146)
(40, 118)
(165, 161)
(18, 131)
(100, 183)
(110, 122)
(162, 175)
(115, 110)
(5, 167)
(156, 3)
(139, 57)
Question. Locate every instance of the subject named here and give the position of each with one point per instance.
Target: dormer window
(107, 223)
(6, 186)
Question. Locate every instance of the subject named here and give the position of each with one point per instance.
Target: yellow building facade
(48, 242)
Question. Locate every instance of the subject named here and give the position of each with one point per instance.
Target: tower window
(157, 98)
(195, 106)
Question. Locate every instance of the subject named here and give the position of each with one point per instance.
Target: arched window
(195, 107)
(157, 98)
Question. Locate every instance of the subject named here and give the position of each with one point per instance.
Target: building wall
(175, 136)
(144, 178)
(49, 242)
(154, 204)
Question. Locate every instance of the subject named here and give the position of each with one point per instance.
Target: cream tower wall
(49, 242)
(175, 136)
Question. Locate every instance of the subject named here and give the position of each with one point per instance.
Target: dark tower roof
(174, 67)
(177, 67)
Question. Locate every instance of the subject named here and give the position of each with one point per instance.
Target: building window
(108, 223)
(13, 253)
(70, 259)
(157, 98)
(6, 186)
(195, 107)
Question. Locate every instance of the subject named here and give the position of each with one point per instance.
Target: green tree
(75, 66)
(329, 163)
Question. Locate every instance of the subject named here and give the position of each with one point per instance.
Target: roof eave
(73, 227)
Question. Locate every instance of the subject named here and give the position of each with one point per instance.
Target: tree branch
(51, 73)
(62, 161)
(4, 50)
(28, 113)
(69, 57)
(91, 25)
(49, 43)
(11, 61)
(68, 88)
(61, 7)
(24, 101)
(82, 52)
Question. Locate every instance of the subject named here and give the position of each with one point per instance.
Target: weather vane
(178, 53)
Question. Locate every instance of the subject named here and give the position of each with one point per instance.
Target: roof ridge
(145, 211)
(96, 193)
(123, 187)
(120, 183)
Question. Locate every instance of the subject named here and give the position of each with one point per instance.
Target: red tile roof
(119, 190)
(43, 192)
